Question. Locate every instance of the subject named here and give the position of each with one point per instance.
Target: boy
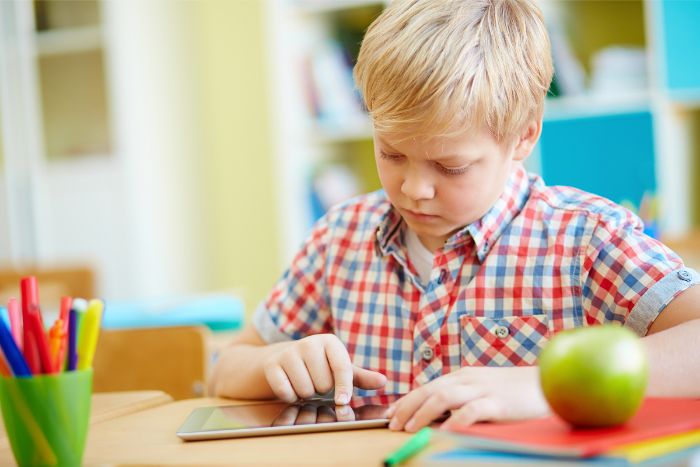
(446, 285)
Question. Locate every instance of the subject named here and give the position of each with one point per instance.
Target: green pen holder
(47, 417)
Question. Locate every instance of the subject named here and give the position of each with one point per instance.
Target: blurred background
(185, 147)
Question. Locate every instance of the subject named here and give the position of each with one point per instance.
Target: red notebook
(553, 436)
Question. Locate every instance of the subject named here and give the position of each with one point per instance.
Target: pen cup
(47, 417)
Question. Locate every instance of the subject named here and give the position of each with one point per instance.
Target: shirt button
(502, 332)
(684, 276)
(427, 354)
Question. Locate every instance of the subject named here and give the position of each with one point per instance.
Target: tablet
(277, 418)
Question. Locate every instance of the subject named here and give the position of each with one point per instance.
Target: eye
(453, 171)
(389, 157)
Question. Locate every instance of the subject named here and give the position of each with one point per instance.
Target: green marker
(412, 446)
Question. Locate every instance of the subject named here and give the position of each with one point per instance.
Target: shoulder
(363, 212)
(558, 201)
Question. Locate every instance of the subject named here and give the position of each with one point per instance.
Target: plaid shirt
(543, 259)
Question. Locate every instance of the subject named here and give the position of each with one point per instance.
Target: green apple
(594, 376)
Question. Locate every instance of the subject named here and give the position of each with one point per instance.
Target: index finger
(341, 366)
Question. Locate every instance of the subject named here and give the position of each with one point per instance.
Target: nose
(417, 185)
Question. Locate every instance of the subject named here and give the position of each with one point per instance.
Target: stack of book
(664, 432)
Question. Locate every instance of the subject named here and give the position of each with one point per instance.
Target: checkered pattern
(520, 345)
(543, 259)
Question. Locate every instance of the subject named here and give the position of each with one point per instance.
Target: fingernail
(394, 424)
(410, 425)
(342, 399)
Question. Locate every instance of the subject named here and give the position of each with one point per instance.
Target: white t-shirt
(421, 257)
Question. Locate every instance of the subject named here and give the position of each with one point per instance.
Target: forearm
(673, 361)
(239, 372)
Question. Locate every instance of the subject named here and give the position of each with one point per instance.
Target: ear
(527, 140)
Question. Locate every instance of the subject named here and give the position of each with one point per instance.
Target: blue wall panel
(611, 155)
(681, 26)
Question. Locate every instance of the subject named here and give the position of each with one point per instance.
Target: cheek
(386, 175)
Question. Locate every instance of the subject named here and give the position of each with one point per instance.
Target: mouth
(420, 215)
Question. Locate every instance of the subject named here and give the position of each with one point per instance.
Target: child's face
(440, 185)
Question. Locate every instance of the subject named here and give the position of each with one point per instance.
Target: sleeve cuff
(657, 297)
(267, 328)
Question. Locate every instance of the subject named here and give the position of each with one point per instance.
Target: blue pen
(72, 340)
(5, 315)
(12, 353)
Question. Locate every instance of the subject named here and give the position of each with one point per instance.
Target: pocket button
(427, 354)
(502, 332)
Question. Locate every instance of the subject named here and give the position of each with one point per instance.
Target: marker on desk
(412, 446)
(15, 321)
(12, 353)
(89, 334)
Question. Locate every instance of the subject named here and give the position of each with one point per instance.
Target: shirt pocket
(508, 341)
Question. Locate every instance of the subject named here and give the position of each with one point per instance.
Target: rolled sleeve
(657, 297)
(266, 327)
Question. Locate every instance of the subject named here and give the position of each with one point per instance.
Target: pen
(56, 339)
(42, 343)
(89, 334)
(30, 304)
(412, 446)
(4, 367)
(5, 315)
(80, 305)
(15, 321)
(66, 304)
(12, 353)
(72, 335)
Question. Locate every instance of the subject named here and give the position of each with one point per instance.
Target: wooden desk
(105, 406)
(148, 437)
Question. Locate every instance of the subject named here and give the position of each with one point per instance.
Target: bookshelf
(634, 57)
(322, 137)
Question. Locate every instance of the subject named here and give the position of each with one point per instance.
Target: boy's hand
(475, 394)
(317, 364)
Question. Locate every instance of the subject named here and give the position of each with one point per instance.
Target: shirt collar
(487, 230)
(389, 225)
(484, 231)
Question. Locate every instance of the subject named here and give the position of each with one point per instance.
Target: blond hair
(425, 63)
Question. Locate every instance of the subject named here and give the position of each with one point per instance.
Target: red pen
(42, 342)
(30, 305)
(15, 321)
(66, 303)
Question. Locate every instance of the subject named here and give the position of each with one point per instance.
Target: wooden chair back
(170, 359)
(54, 283)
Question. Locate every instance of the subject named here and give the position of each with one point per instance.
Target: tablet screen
(261, 418)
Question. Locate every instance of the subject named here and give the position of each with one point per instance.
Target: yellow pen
(89, 333)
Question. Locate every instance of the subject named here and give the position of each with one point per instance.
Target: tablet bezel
(200, 415)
